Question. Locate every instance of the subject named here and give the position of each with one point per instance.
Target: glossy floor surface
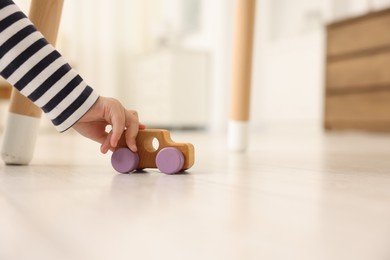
(296, 194)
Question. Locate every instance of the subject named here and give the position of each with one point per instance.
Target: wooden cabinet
(357, 95)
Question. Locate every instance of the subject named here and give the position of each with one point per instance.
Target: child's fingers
(118, 125)
(132, 125)
(106, 145)
(141, 126)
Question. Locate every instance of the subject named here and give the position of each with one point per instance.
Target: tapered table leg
(241, 74)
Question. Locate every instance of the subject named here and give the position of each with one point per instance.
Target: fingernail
(133, 148)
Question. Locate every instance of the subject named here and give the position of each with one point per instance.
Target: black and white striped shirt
(39, 72)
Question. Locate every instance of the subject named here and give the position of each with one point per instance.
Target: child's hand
(109, 111)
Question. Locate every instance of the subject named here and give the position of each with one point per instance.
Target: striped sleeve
(39, 72)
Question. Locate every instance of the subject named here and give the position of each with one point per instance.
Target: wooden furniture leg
(24, 117)
(5, 90)
(242, 74)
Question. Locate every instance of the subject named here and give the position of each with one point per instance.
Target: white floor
(297, 194)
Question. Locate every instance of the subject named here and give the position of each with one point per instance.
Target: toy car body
(169, 157)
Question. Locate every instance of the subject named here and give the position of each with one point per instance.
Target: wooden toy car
(169, 157)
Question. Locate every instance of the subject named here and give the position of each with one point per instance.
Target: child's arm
(39, 72)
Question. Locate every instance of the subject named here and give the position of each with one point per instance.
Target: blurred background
(171, 59)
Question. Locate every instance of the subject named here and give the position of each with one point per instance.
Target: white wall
(288, 63)
(215, 36)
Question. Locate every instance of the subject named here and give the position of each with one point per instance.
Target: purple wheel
(170, 160)
(124, 160)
